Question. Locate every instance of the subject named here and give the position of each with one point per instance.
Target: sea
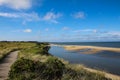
(105, 60)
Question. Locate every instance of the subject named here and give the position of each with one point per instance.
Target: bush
(25, 69)
(54, 69)
(22, 69)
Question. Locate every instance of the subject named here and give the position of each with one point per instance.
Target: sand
(90, 49)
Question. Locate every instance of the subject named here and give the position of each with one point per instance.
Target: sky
(60, 20)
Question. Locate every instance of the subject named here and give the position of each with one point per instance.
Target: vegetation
(77, 72)
(7, 47)
(35, 63)
(25, 69)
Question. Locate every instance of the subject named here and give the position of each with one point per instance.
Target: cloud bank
(48, 17)
(25, 16)
(16, 4)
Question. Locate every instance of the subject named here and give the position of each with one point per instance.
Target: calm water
(106, 60)
(103, 44)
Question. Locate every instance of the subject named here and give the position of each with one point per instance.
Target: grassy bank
(7, 47)
(35, 63)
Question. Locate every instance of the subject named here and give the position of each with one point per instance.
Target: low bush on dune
(54, 69)
(22, 69)
(25, 69)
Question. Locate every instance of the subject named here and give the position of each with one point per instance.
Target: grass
(35, 63)
(78, 72)
(7, 47)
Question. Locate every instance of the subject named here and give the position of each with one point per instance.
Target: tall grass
(7, 47)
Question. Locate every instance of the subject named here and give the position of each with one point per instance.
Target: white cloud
(79, 15)
(27, 30)
(16, 4)
(51, 16)
(95, 31)
(65, 28)
(30, 16)
(25, 16)
(9, 15)
(47, 29)
(86, 30)
(24, 30)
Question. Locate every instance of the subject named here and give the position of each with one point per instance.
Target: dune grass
(7, 47)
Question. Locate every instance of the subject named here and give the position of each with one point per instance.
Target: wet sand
(90, 49)
(6, 63)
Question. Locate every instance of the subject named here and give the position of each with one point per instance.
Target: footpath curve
(6, 63)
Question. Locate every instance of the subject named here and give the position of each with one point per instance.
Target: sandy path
(6, 63)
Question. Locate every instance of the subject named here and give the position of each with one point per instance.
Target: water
(102, 44)
(105, 60)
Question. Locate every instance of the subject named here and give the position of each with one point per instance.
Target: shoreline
(77, 47)
(108, 75)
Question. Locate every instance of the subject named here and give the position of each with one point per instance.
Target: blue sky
(60, 20)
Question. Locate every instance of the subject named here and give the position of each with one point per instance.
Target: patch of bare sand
(6, 63)
(92, 49)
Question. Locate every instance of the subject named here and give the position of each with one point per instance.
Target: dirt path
(6, 63)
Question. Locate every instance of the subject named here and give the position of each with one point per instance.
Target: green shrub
(25, 69)
(54, 69)
(22, 69)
